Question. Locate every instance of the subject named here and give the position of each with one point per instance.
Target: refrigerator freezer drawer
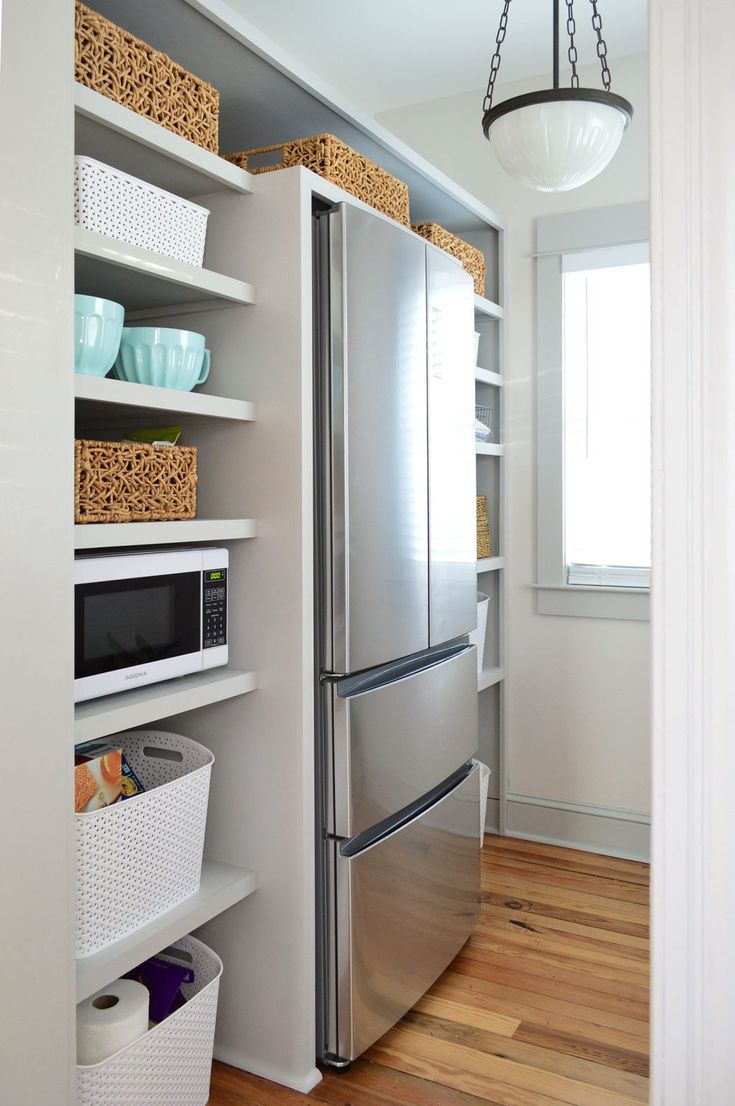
(405, 906)
(396, 733)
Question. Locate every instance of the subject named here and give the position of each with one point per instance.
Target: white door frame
(693, 611)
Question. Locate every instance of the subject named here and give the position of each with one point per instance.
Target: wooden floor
(546, 1004)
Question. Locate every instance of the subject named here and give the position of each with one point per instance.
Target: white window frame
(558, 236)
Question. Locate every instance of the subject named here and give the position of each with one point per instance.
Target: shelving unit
(489, 677)
(113, 713)
(111, 535)
(490, 564)
(488, 449)
(146, 283)
(485, 376)
(222, 886)
(260, 728)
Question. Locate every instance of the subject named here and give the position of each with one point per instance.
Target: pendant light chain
(572, 52)
(495, 63)
(601, 46)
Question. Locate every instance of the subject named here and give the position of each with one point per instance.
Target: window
(593, 393)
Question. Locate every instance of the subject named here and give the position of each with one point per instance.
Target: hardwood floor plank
(561, 852)
(555, 933)
(587, 864)
(573, 913)
(466, 1014)
(538, 874)
(389, 1086)
(523, 918)
(581, 1069)
(529, 953)
(583, 902)
(577, 1044)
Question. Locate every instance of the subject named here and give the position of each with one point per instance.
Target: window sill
(580, 601)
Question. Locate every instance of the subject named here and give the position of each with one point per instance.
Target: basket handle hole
(177, 954)
(105, 1002)
(162, 754)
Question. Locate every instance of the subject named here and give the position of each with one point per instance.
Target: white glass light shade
(557, 145)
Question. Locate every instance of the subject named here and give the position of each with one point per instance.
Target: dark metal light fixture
(559, 138)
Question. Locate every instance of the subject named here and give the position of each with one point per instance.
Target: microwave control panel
(214, 608)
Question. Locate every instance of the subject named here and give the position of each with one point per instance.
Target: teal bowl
(163, 357)
(98, 325)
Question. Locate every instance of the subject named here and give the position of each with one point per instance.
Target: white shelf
(118, 136)
(100, 717)
(108, 535)
(489, 449)
(148, 283)
(489, 677)
(222, 886)
(106, 390)
(487, 307)
(485, 376)
(490, 564)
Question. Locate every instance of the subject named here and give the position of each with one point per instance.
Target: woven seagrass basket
(472, 259)
(484, 545)
(134, 482)
(336, 162)
(125, 69)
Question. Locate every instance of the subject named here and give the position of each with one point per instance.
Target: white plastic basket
(120, 206)
(172, 1064)
(143, 855)
(477, 636)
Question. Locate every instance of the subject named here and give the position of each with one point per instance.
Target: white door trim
(693, 599)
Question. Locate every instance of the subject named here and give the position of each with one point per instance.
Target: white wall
(578, 690)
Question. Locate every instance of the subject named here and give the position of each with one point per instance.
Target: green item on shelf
(168, 434)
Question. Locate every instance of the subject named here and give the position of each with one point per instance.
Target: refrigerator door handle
(348, 687)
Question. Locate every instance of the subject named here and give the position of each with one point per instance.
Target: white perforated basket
(143, 855)
(172, 1064)
(120, 206)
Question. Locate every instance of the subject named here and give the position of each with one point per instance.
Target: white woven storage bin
(120, 206)
(172, 1064)
(143, 855)
(477, 636)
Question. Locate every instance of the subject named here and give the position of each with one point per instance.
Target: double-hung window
(594, 417)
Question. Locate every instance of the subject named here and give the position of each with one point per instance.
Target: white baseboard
(604, 830)
(303, 1083)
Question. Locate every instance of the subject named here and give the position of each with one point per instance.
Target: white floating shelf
(106, 390)
(489, 449)
(112, 713)
(487, 307)
(485, 376)
(222, 886)
(107, 535)
(118, 136)
(490, 564)
(489, 677)
(148, 283)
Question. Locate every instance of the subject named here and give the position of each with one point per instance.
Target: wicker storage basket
(473, 261)
(336, 162)
(129, 71)
(484, 545)
(141, 856)
(134, 482)
(171, 1064)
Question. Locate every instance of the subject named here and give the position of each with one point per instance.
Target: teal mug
(163, 357)
(98, 325)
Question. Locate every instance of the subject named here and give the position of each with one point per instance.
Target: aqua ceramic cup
(97, 329)
(163, 357)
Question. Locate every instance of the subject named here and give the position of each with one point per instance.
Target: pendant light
(559, 138)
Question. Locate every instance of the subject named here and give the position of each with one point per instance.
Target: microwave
(144, 617)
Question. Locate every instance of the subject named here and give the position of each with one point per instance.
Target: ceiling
(395, 52)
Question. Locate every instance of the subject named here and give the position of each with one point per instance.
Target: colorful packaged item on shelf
(106, 763)
(164, 979)
(97, 779)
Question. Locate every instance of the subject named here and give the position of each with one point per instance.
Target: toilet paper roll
(108, 1021)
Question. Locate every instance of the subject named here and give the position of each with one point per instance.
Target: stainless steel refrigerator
(397, 792)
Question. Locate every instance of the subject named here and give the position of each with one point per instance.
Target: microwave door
(135, 631)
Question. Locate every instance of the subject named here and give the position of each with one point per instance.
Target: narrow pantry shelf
(104, 390)
(118, 136)
(149, 284)
(489, 677)
(485, 376)
(489, 449)
(487, 307)
(100, 717)
(108, 535)
(490, 564)
(222, 886)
